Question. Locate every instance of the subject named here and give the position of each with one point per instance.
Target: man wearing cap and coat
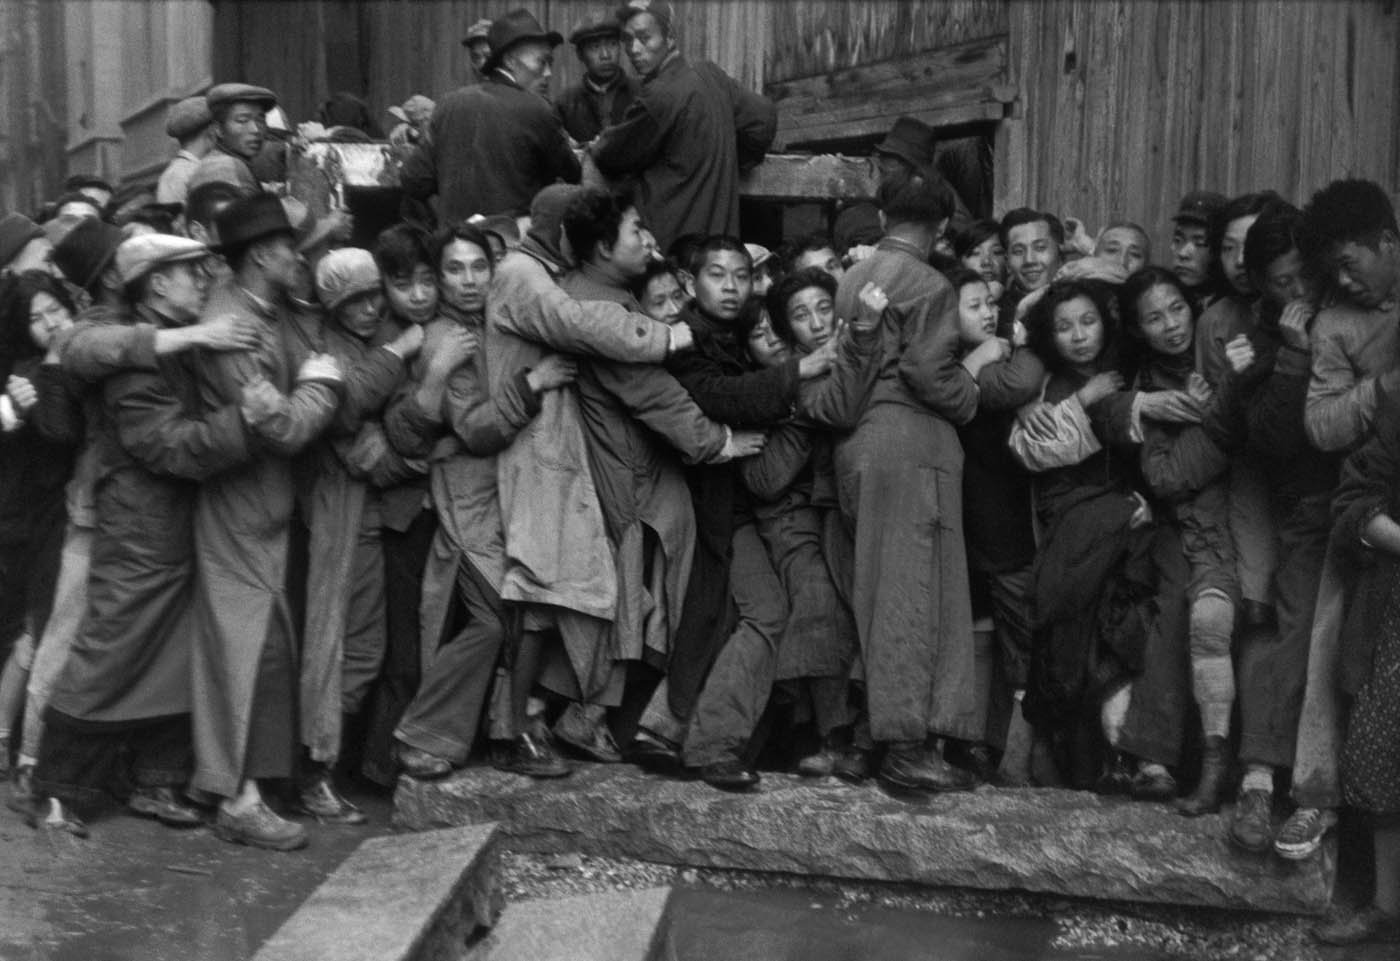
(239, 113)
(125, 681)
(190, 123)
(245, 672)
(494, 145)
(686, 137)
(602, 97)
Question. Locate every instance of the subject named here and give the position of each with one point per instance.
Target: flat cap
(139, 255)
(188, 117)
(16, 231)
(1200, 207)
(660, 9)
(226, 93)
(597, 23)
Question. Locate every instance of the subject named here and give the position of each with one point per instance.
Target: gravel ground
(1175, 932)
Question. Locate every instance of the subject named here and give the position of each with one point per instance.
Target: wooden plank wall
(1127, 105)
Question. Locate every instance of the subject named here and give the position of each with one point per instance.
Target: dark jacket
(494, 146)
(585, 110)
(686, 138)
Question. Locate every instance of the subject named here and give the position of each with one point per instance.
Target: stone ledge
(405, 898)
(1051, 841)
(615, 926)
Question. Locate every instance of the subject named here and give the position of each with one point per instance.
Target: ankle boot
(1206, 798)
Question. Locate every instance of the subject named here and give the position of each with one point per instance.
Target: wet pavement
(137, 890)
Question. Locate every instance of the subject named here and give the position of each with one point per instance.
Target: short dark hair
(654, 269)
(205, 201)
(452, 232)
(783, 291)
(974, 235)
(593, 216)
(15, 298)
(960, 276)
(751, 314)
(1346, 211)
(917, 198)
(1139, 283)
(1025, 215)
(399, 249)
(1270, 237)
(1245, 205)
(713, 245)
(1040, 325)
(807, 243)
(682, 248)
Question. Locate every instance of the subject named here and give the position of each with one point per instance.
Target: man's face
(646, 43)
(812, 316)
(281, 263)
(1123, 246)
(1190, 254)
(1368, 277)
(243, 130)
(478, 51)
(413, 297)
(531, 64)
(1285, 279)
(464, 275)
(362, 315)
(663, 299)
(722, 284)
(183, 287)
(1232, 253)
(35, 255)
(825, 259)
(1032, 255)
(633, 248)
(602, 58)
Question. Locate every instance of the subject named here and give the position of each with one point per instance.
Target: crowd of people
(577, 473)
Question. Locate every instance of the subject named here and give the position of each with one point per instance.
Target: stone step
(405, 898)
(1052, 841)
(613, 926)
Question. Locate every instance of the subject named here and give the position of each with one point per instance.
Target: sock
(1213, 683)
(25, 760)
(1258, 777)
(1114, 713)
(1152, 768)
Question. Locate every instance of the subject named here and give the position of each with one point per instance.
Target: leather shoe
(532, 755)
(852, 765)
(913, 767)
(1153, 786)
(1252, 823)
(322, 801)
(259, 827)
(651, 753)
(1370, 924)
(973, 757)
(820, 764)
(163, 804)
(421, 765)
(729, 774)
(587, 734)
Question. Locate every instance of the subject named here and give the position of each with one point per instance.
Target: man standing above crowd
(496, 144)
(687, 136)
(190, 122)
(1032, 240)
(602, 97)
(239, 112)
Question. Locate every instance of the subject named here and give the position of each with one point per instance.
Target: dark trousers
(444, 717)
(82, 763)
(1156, 720)
(405, 554)
(271, 752)
(1273, 668)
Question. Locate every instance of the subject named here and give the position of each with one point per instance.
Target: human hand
(873, 302)
(1240, 354)
(1171, 406)
(682, 338)
(1293, 324)
(858, 252)
(409, 342)
(1099, 386)
(1037, 419)
(742, 443)
(1142, 514)
(226, 332)
(320, 367)
(261, 401)
(452, 348)
(555, 370)
(1199, 390)
(22, 393)
(818, 362)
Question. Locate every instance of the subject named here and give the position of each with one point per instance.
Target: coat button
(641, 331)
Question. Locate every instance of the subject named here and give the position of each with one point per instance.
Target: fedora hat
(516, 27)
(251, 218)
(911, 141)
(86, 250)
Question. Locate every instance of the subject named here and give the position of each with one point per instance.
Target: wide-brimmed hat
(226, 93)
(142, 254)
(188, 117)
(514, 28)
(1200, 207)
(251, 218)
(86, 250)
(912, 141)
(16, 231)
(596, 23)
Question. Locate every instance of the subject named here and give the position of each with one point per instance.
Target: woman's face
(413, 297)
(977, 315)
(1165, 319)
(663, 299)
(1232, 253)
(464, 275)
(1079, 333)
(765, 347)
(812, 317)
(989, 260)
(46, 318)
(1284, 279)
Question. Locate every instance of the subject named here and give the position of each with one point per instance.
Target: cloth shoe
(911, 766)
(259, 827)
(534, 756)
(1156, 785)
(21, 798)
(586, 731)
(1211, 787)
(1116, 778)
(852, 765)
(820, 764)
(1252, 826)
(166, 806)
(651, 752)
(1302, 834)
(420, 765)
(729, 774)
(322, 801)
(1370, 924)
(51, 814)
